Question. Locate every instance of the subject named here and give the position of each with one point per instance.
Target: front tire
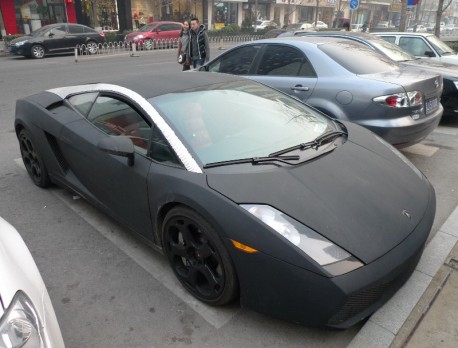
(37, 52)
(33, 161)
(198, 257)
(148, 44)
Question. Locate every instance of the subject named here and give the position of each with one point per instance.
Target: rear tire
(92, 47)
(33, 161)
(37, 52)
(198, 257)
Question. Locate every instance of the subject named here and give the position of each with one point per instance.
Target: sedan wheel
(37, 51)
(198, 257)
(32, 160)
(148, 45)
(92, 47)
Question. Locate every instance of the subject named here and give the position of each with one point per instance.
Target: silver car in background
(27, 317)
(344, 79)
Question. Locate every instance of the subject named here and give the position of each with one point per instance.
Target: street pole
(316, 12)
(255, 16)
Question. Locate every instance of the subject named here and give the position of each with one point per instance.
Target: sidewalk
(424, 312)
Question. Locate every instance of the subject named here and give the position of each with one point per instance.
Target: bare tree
(441, 7)
(402, 23)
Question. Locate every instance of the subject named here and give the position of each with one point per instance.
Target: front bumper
(274, 287)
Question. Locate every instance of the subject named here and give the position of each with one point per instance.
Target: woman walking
(183, 44)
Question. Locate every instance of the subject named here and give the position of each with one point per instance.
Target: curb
(383, 326)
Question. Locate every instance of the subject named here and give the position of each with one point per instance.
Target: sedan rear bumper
(404, 131)
(277, 288)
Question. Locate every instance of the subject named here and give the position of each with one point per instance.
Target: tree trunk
(402, 23)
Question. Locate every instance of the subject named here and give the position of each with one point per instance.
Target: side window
(83, 102)
(176, 26)
(115, 117)
(237, 62)
(414, 45)
(165, 27)
(60, 30)
(160, 149)
(75, 29)
(391, 39)
(279, 60)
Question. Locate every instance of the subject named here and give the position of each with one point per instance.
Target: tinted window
(115, 117)
(176, 26)
(414, 45)
(357, 58)
(90, 30)
(160, 149)
(75, 29)
(59, 30)
(237, 62)
(279, 60)
(83, 102)
(166, 27)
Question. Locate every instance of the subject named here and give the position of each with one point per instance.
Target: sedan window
(75, 29)
(391, 39)
(237, 62)
(60, 30)
(280, 60)
(414, 45)
(115, 117)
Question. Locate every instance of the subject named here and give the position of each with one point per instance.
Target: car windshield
(239, 120)
(147, 27)
(357, 58)
(259, 22)
(440, 46)
(392, 51)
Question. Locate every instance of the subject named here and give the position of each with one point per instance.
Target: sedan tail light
(401, 100)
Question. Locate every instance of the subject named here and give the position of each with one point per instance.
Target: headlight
(20, 325)
(331, 257)
(138, 37)
(20, 43)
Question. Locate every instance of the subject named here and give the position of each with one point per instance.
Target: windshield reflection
(239, 120)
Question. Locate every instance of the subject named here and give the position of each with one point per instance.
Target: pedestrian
(199, 49)
(365, 27)
(183, 46)
(346, 26)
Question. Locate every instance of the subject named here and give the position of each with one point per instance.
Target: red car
(152, 33)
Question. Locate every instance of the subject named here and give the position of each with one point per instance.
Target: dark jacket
(203, 48)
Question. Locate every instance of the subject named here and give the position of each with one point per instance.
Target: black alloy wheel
(198, 257)
(32, 160)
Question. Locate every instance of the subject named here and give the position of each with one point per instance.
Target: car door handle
(299, 88)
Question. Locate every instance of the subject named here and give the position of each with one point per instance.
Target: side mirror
(429, 54)
(51, 34)
(118, 146)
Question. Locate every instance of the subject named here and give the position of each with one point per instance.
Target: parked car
(57, 39)
(345, 80)
(150, 34)
(319, 25)
(27, 317)
(450, 28)
(263, 24)
(449, 97)
(356, 27)
(210, 169)
(422, 45)
(417, 29)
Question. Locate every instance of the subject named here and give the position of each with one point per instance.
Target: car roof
(154, 84)
(401, 33)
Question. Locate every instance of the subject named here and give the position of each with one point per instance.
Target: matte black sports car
(246, 190)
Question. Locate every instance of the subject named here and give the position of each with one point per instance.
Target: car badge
(406, 214)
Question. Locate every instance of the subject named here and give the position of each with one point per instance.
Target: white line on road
(151, 261)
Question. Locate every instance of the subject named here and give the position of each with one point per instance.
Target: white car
(265, 24)
(27, 317)
(320, 25)
(420, 29)
(422, 45)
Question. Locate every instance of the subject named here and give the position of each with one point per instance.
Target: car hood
(433, 65)
(22, 38)
(411, 79)
(366, 199)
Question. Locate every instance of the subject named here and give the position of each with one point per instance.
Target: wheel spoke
(214, 282)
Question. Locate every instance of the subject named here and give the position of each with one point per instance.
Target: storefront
(25, 16)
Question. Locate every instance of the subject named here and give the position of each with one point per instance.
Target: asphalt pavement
(110, 290)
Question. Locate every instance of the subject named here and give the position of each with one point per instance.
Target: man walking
(199, 49)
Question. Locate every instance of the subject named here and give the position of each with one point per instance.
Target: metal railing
(146, 46)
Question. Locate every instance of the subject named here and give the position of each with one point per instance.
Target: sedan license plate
(431, 104)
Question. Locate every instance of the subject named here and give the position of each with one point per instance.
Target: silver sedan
(345, 80)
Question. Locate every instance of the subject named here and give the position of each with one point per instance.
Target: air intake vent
(57, 153)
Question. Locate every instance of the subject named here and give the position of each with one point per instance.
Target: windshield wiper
(254, 160)
(314, 144)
